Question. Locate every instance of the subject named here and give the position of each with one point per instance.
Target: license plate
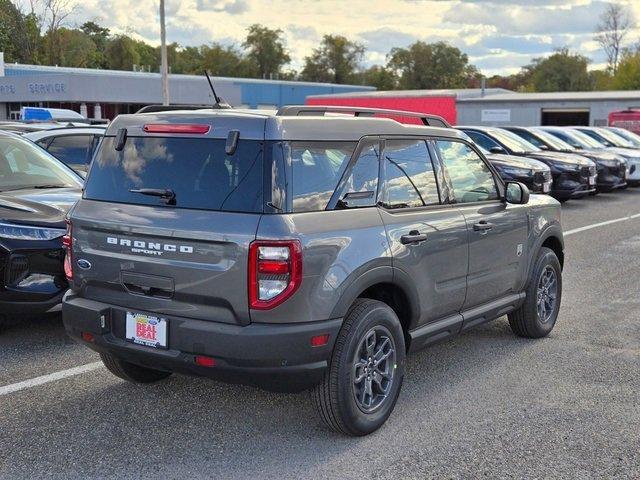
(592, 180)
(146, 330)
(546, 188)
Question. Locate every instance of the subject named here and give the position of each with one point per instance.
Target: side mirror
(543, 147)
(578, 147)
(517, 193)
(497, 149)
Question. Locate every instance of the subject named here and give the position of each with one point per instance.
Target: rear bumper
(30, 307)
(276, 357)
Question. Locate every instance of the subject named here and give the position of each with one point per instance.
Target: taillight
(275, 272)
(68, 260)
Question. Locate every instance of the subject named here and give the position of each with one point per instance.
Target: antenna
(220, 103)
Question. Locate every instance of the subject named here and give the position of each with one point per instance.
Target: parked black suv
(573, 176)
(611, 167)
(36, 191)
(300, 251)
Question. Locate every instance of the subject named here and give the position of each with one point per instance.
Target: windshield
(23, 165)
(613, 138)
(512, 141)
(179, 172)
(586, 140)
(626, 134)
(555, 142)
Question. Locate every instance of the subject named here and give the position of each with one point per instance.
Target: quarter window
(410, 180)
(361, 185)
(71, 149)
(471, 178)
(316, 168)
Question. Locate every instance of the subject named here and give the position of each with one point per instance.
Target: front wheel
(363, 381)
(539, 312)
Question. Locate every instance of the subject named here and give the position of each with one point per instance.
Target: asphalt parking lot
(486, 404)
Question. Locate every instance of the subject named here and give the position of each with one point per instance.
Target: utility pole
(163, 54)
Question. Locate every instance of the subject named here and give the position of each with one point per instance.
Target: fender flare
(551, 231)
(373, 276)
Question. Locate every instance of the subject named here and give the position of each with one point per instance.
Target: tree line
(41, 36)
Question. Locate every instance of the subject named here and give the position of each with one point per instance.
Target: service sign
(497, 115)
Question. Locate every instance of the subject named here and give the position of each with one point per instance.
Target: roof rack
(169, 108)
(320, 110)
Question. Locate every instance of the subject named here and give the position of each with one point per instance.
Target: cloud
(233, 7)
(496, 34)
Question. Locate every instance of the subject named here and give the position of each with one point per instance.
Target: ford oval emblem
(84, 264)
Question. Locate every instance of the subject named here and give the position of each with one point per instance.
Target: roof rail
(304, 110)
(169, 108)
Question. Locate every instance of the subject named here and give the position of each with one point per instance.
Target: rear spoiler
(320, 110)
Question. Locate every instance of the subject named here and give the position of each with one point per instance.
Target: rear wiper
(165, 193)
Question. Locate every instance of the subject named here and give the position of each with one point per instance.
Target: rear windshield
(197, 171)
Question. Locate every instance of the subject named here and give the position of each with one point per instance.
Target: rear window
(196, 170)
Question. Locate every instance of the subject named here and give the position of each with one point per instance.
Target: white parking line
(52, 377)
(601, 224)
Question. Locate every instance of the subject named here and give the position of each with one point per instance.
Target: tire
(131, 372)
(335, 398)
(529, 321)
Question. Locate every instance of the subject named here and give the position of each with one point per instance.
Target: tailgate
(187, 263)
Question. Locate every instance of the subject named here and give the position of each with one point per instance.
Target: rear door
(497, 230)
(182, 254)
(428, 239)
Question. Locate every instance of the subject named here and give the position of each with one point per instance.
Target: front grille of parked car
(588, 171)
(17, 269)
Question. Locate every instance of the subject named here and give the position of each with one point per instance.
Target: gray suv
(311, 248)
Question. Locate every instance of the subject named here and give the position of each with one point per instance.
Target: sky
(500, 36)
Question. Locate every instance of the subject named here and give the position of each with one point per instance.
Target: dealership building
(496, 106)
(107, 93)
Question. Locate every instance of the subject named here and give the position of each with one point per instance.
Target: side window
(316, 169)
(360, 187)
(71, 149)
(409, 178)
(482, 140)
(471, 179)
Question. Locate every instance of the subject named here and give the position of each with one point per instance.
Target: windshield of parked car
(23, 165)
(613, 138)
(512, 141)
(632, 137)
(586, 140)
(555, 142)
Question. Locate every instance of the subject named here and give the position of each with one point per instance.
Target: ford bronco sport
(311, 248)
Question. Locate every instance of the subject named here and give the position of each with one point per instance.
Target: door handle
(482, 226)
(414, 236)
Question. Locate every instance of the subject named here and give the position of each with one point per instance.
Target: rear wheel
(362, 384)
(130, 371)
(538, 314)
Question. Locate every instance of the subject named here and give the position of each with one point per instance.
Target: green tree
(431, 65)
(100, 37)
(380, 77)
(190, 60)
(226, 61)
(265, 47)
(627, 76)
(122, 53)
(337, 60)
(76, 48)
(561, 72)
(13, 34)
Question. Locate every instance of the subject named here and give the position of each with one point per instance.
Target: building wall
(28, 85)
(445, 105)
(530, 113)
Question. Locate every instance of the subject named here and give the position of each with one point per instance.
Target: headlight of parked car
(610, 163)
(566, 167)
(517, 172)
(29, 232)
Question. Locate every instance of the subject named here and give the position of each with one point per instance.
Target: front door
(497, 231)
